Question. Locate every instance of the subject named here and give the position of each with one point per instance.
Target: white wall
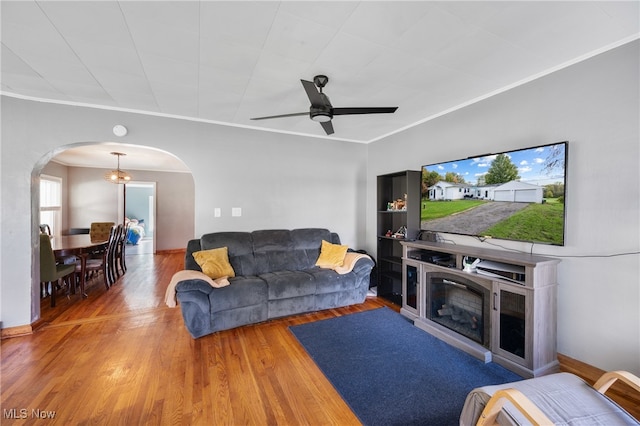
(279, 181)
(594, 105)
(91, 198)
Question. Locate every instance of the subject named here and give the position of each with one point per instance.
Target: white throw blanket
(170, 294)
(349, 262)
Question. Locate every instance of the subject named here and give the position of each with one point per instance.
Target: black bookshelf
(404, 187)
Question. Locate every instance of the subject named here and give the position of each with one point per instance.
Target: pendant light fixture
(117, 175)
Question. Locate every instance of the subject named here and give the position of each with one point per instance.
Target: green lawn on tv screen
(536, 222)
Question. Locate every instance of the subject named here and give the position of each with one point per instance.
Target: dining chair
(67, 260)
(50, 272)
(98, 262)
(111, 255)
(121, 265)
(100, 230)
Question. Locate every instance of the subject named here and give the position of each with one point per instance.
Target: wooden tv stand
(522, 302)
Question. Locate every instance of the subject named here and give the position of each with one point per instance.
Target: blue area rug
(391, 372)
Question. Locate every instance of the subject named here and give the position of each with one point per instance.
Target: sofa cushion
(273, 250)
(286, 284)
(240, 249)
(242, 291)
(329, 281)
(309, 241)
(214, 262)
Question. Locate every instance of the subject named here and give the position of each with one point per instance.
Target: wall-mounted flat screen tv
(515, 195)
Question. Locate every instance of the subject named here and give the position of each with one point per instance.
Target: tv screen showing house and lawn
(515, 195)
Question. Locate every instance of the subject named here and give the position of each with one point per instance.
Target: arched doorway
(88, 197)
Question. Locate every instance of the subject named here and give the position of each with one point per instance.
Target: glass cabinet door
(410, 293)
(512, 322)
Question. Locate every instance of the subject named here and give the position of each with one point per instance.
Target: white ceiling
(225, 62)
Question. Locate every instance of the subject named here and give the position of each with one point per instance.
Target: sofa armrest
(362, 275)
(194, 291)
(195, 284)
(363, 266)
(193, 297)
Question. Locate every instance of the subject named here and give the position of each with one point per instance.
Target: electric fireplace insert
(459, 304)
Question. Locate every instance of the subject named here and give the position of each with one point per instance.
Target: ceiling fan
(321, 109)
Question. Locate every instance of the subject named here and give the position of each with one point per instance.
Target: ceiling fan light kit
(319, 115)
(321, 109)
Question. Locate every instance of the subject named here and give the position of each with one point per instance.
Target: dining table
(81, 246)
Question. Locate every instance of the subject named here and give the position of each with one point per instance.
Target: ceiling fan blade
(295, 114)
(312, 93)
(372, 110)
(327, 126)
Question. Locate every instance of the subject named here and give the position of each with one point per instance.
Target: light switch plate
(236, 211)
(217, 212)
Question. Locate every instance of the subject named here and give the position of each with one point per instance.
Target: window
(51, 203)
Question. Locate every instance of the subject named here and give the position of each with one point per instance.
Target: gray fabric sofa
(276, 276)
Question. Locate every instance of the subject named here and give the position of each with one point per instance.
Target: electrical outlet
(217, 212)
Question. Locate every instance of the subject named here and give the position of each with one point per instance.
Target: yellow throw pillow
(215, 262)
(331, 255)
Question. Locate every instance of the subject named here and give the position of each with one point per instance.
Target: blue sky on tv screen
(530, 163)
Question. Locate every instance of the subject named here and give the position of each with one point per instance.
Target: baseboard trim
(171, 251)
(37, 324)
(21, 330)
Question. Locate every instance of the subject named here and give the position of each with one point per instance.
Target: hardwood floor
(122, 357)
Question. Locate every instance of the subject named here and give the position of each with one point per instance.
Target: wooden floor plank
(121, 356)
